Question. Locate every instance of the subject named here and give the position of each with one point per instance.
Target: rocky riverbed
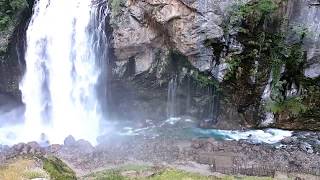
(298, 154)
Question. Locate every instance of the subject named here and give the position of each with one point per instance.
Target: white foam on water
(269, 136)
(171, 121)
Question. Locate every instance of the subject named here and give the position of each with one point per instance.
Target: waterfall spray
(65, 60)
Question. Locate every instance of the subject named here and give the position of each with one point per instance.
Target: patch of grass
(34, 174)
(115, 174)
(165, 174)
(252, 178)
(134, 167)
(109, 175)
(20, 169)
(57, 169)
(11, 172)
(171, 174)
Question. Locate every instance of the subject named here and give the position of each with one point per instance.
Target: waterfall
(213, 106)
(188, 100)
(65, 60)
(172, 98)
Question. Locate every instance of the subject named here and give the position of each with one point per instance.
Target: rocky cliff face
(303, 17)
(155, 41)
(307, 15)
(145, 34)
(140, 27)
(12, 50)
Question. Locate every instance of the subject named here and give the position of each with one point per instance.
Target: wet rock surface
(31, 148)
(297, 154)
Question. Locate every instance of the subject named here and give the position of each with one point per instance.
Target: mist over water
(63, 70)
(64, 87)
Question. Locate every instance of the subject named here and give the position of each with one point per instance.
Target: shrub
(8, 9)
(293, 105)
(57, 169)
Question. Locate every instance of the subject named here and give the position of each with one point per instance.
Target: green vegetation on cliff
(289, 57)
(268, 52)
(10, 16)
(247, 19)
(8, 11)
(254, 10)
(115, 6)
(293, 105)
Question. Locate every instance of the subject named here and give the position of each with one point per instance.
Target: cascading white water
(62, 71)
(172, 98)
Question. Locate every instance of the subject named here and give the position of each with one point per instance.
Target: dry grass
(21, 169)
(164, 174)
